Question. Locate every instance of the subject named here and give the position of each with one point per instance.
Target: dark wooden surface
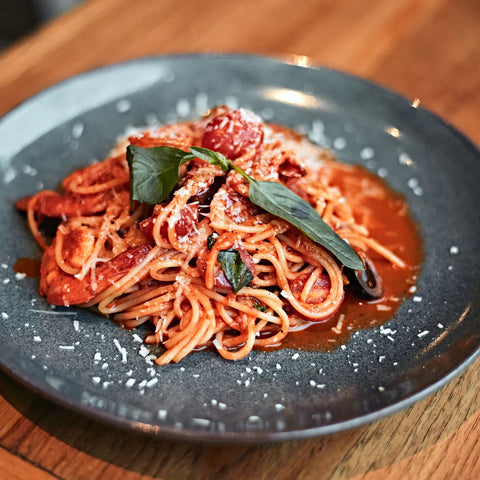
(426, 49)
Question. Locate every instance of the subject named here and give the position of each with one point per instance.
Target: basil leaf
(214, 158)
(154, 172)
(236, 271)
(211, 239)
(279, 200)
(262, 308)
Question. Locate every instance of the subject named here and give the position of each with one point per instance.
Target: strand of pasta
(32, 223)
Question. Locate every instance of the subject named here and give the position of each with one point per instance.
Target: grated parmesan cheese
(152, 382)
(121, 349)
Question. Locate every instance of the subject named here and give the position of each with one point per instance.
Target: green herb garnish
(214, 158)
(211, 239)
(154, 174)
(262, 308)
(235, 269)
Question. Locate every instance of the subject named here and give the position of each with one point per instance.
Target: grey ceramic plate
(71, 356)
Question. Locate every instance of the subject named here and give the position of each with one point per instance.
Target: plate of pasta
(268, 252)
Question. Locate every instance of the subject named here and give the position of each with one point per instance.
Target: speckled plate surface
(73, 356)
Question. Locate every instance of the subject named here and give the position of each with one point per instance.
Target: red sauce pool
(28, 266)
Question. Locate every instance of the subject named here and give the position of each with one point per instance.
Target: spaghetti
(161, 264)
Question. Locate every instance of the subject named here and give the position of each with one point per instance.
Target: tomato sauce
(28, 266)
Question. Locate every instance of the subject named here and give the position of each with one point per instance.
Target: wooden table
(427, 49)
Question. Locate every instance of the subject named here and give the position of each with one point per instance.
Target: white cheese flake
(382, 172)
(201, 422)
(339, 143)
(412, 182)
(121, 349)
(404, 159)
(152, 382)
(130, 382)
(49, 312)
(367, 153)
(143, 351)
(383, 308)
(77, 130)
(123, 106)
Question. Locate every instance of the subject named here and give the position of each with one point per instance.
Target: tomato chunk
(233, 133)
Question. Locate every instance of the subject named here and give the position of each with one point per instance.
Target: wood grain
(427, 49)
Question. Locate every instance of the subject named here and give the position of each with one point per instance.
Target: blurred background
(19, 17)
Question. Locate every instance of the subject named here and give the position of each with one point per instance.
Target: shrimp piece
(61, 288)
(52, 204)
(74, 246)
(88, 190)
(99, 177)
